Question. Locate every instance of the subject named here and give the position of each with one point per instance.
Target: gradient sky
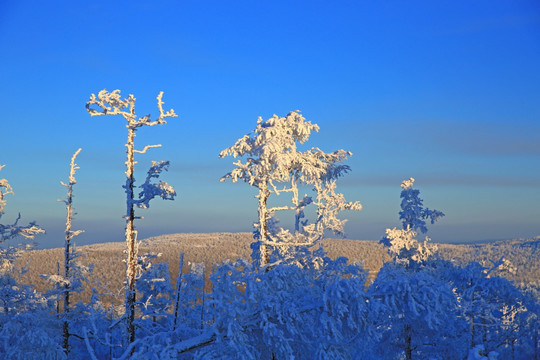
(447, 92)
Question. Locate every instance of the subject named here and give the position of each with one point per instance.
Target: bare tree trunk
(69, 234)
(131, 261)
(57, 295)
(472, 322)
(408, 342)
(536, 352)
(202, 297)
(65, 326)
(67, 265)
(178, 288)
(484, 326)
(263, 223)
(472, 333)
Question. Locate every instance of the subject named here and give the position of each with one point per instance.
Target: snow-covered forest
(289, 299)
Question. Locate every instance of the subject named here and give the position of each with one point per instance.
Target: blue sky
(446, 92)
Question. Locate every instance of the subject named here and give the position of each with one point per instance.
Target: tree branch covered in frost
(329, 205)
(8, 232)
(111, 103)
(70, 234)
(150, 191)
(5, 189)
(270, 151)
(403, 246)
(143, 151)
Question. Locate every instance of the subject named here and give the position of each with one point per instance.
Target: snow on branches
(69, 199)
(402, 244)
(273, 164)
(412, 211)
(111, 103)
(150, 190)
(8, 232)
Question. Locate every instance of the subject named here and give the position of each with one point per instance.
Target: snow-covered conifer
(413, 214)
(24, 331)
(402, 243)
(416, 303)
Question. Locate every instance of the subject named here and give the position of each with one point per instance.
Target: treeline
(211, 249)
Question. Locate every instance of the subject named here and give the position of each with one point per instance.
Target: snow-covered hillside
(214, 248)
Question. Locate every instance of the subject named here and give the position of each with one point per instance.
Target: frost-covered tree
(111, 103)
(74, 271)
(416, 303)
(71, 282)
(401, 243)
(274, 165)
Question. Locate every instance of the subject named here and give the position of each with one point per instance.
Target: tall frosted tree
(69, 254)
(111, 103)
(75, 273)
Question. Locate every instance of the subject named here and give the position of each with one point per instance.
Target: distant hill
(214, 248)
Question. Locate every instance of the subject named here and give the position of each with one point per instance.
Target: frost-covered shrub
(415, 307)
(31, 335)
(317, 312)
(498, 315)
(416, 314)
(155, 294)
